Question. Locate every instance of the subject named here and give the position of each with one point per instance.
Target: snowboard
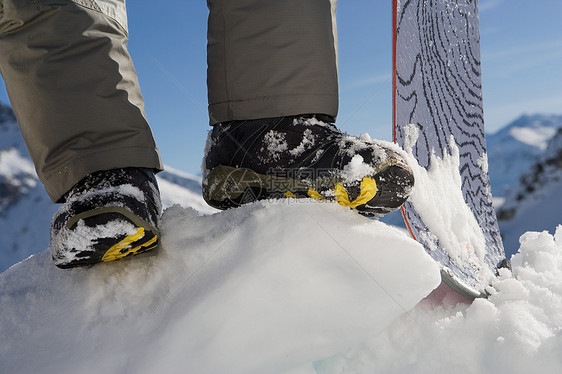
(438, 118)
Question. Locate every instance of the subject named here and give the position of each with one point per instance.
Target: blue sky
(521, 50)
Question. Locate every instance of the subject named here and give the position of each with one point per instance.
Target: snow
(266, 288)
(311, 122)
(498, 202)
(483, 162)
(516, 330)
(291, 287)
(538, 136)
(513, 149)
(356, 169)
(12, 163)
(276, 143)
(535, 202)
(365, 137)
(539, 211)
(82, 237)
(28, 223)
(307, 142)
(447, 217)
(172, 193)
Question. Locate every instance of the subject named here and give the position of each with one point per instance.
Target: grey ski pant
(76, 96)
(270, 58)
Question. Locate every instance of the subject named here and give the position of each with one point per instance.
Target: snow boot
(302, 156)
(106, 216)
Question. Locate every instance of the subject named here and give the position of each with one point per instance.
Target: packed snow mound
(518, 329)
(266, 288)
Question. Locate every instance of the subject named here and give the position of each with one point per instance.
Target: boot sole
(385, 191)
(145, 238)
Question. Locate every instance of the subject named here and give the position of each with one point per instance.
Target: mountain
(535, 201)
(516, 147)
(26, 210)
(17, 175)
(178, 187)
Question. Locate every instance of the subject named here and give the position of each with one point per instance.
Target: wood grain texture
(438, 89)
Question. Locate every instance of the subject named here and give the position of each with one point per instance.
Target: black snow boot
(106, 216)
(302, 156)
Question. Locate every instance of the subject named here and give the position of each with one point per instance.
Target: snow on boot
(106, 216)
(302, 156)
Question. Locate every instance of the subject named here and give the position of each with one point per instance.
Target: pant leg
(271, 58)
(73, 88)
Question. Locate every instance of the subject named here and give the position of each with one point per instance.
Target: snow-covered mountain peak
(13, 163)
(536, 136)
(17, 173)
(534, 202)
(533, 121)
(237, 294)
(516, 147)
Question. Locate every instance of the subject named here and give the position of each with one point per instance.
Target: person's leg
(273, 99)
(271, 58)
(74, 89)
(77, 100)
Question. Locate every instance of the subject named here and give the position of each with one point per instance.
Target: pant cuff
(273, 106)
(60, 182)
